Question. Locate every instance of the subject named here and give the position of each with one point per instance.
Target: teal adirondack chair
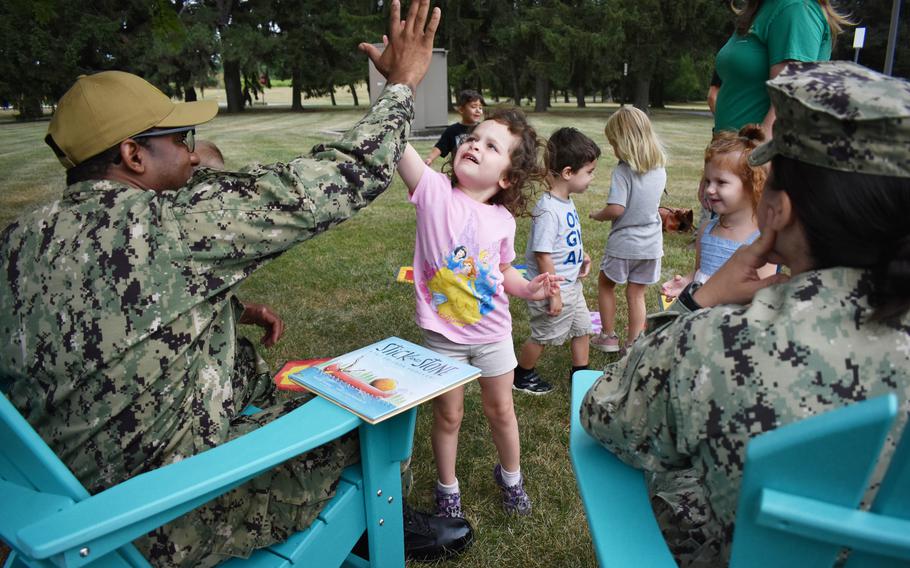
(49, 519)
(798, 500)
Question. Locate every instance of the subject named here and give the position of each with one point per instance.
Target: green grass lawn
(338, 292)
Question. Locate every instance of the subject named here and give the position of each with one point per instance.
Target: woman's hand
(737, 281)
(264, 317)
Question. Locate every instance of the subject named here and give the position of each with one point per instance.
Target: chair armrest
(130, 509)
(834, 524)
(615, 497)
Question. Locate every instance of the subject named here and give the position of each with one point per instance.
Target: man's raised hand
(408, 45)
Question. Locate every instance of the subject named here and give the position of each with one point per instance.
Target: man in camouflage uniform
(118, 316)
(691, 393)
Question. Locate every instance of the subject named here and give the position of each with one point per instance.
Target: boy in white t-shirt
(555, 247)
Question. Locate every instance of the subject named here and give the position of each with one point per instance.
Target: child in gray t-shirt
(555, 246)
(635, 245)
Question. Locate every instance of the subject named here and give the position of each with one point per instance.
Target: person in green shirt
(768, 35)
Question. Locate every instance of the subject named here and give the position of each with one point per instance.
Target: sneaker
(428, 538)
(532, 384)
(448, 505)
(606, 343)
(514, 498)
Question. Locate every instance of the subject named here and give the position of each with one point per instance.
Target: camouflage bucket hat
(842, 116)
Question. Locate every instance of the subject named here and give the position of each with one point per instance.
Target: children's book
(390, 376)
(406, 275)
(283, 380)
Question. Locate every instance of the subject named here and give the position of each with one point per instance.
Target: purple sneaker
(514, 498)
(606, 343)
(448, 505)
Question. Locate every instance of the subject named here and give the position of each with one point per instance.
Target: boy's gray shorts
(573, 321)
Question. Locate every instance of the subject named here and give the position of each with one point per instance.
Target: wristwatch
(686, 298)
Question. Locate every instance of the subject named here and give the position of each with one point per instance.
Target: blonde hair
(629, 131)
(746, 15)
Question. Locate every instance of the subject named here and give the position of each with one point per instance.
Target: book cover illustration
(283, 378)
(379, 381)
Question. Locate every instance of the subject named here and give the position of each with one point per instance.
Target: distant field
(338, 292)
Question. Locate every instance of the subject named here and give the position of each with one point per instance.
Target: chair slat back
(27, 461)
(829, 457)
(893, 499)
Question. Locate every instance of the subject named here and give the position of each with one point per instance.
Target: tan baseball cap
(104, 109)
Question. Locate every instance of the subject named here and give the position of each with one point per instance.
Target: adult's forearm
(357, 168)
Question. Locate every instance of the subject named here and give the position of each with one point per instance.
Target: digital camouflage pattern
(840, 115)
(691, 393)
(118, 337)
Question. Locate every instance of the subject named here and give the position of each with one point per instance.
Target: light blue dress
(716, 250)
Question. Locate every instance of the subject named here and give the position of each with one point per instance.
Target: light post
(892, 37)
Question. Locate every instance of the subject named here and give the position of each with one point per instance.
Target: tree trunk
(541, 93)
(232, 86)
(29, 108)
(354, 94)
(642, 88)
(565, 96)
(516, 92)
(657, 92)
(295, 89)
(189, 94)
(580, 96)
(332, 94)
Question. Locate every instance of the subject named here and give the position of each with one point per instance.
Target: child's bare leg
(448, 410)
(496, 395)
(635, 296)
(529, 354)
(606, 303)
(580, 346)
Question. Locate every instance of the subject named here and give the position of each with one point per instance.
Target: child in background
(470, 107)
(635, 245)
(209, 155)
(732, 189)
(555, 246)
(462, 272)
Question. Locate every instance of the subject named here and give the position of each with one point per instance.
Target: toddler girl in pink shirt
(462, 273)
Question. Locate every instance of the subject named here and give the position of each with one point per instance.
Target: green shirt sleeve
(796, 31)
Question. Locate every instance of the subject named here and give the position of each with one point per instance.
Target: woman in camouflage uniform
(740, 355)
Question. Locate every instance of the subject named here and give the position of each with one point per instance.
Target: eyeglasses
(188, 140)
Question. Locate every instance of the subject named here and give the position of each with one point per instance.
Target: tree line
(639, 51)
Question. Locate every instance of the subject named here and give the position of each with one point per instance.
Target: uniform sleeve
(796, 32)
(227, 220)
(633, 408)
(620, 184)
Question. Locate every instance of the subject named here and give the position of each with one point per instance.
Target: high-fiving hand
(408, 45)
